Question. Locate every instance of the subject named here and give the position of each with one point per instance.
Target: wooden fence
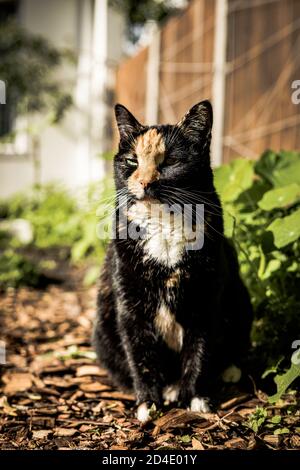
(251, 86)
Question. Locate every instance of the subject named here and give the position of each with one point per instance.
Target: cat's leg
(195, 380)
(106, 338)
(140, 343)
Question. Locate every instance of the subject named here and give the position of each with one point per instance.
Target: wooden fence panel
(262, 61)
(186, 60)
(263, 56)
(131, 82)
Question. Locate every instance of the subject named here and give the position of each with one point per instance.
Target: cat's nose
(144, 183)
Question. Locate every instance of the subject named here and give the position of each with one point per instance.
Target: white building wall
(69, 151)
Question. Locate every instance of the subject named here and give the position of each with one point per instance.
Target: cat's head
(156, 161)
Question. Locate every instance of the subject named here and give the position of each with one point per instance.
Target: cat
(170, 319)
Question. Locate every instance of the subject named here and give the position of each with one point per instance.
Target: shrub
(59, 220)
(261, 202)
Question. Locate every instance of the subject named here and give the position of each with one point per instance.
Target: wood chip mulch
(54, 396)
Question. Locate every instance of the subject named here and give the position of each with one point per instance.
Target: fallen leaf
(197, 444)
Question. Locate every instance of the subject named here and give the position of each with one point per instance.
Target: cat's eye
(171, 160)
(132, 162)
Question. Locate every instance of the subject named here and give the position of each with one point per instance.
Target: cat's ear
(197, 122)
(127, 124)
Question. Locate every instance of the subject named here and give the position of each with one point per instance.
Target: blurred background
(64, 64)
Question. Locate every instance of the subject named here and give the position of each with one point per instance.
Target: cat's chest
(166, 319)
(161, 235)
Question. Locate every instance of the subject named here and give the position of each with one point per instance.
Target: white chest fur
(162, 238)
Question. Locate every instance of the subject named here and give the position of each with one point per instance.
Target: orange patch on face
(149, 149)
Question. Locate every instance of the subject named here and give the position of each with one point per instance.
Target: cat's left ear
(197, 122)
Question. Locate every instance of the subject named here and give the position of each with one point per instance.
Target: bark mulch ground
(54, 396)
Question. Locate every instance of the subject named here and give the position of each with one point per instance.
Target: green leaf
(286, 230)
(282, 431)
(229, 223)
(280, 197)
(279, 169)
(276, 419)
(186, 439)
(264, 167)
(273, 369)
(272, 266)
(231, 180)
(257, 418)
(283, 381)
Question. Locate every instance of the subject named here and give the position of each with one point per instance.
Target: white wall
(69, 151)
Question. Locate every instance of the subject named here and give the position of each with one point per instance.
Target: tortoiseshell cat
(170, 320)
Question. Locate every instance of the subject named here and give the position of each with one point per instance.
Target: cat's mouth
(145, 197)
(149, 199)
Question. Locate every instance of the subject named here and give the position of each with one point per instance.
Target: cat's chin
(148, 199)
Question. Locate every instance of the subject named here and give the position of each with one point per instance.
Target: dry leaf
(197, 444)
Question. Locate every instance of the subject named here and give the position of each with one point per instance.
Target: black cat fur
(206, 303)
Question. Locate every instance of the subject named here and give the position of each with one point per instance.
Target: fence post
(152, 84)
(219, 77)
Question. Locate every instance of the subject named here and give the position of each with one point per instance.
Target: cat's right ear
(127, 124)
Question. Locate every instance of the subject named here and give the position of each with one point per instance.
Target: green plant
(138, 13)
(27, 65)
(261, 202)
(16, 270)
(257, 419)
(59, 220)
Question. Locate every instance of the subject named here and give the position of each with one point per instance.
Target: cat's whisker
(182, 198)
(215, 207)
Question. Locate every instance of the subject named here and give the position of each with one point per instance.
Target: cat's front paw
(146, 411)
(143, 413)
(200, 405)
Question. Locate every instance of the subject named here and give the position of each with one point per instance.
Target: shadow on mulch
(54, 396)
